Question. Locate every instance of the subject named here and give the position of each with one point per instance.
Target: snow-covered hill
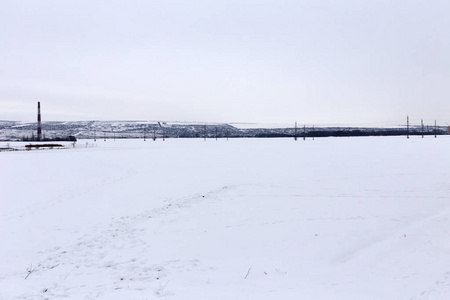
(12, 130)
(356, 218)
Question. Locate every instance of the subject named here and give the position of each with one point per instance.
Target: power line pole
(295, 131)
(435, 128)
(407, 127)
(421, 121)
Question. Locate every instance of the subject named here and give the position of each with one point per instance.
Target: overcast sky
(315, 62)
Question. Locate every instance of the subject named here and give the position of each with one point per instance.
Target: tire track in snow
(441, 287)
(117, 254)
(382, 241)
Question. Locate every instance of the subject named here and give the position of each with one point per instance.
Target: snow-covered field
(333, 218)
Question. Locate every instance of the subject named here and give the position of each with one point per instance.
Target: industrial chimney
(39, 125)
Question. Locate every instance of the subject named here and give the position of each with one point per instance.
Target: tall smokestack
(39, 125)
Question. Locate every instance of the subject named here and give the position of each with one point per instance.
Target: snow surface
(333, 218)
(263, 125)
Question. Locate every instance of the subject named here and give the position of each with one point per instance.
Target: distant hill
(15, 130)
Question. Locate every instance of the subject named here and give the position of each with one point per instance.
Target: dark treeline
(347, 132)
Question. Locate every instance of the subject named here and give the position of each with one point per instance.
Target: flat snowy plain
(333, 218)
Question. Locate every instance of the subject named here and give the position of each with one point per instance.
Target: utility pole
(295, 131)
(435, 129)
(154, 134)
(407, 127)
(313, 133)
(421, 121)
(95, 135)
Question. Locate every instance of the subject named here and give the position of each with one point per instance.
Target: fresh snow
(333, 218)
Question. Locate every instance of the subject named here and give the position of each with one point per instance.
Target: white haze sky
(315, 62)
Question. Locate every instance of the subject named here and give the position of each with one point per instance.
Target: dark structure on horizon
(41, 137)
(39, 124)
